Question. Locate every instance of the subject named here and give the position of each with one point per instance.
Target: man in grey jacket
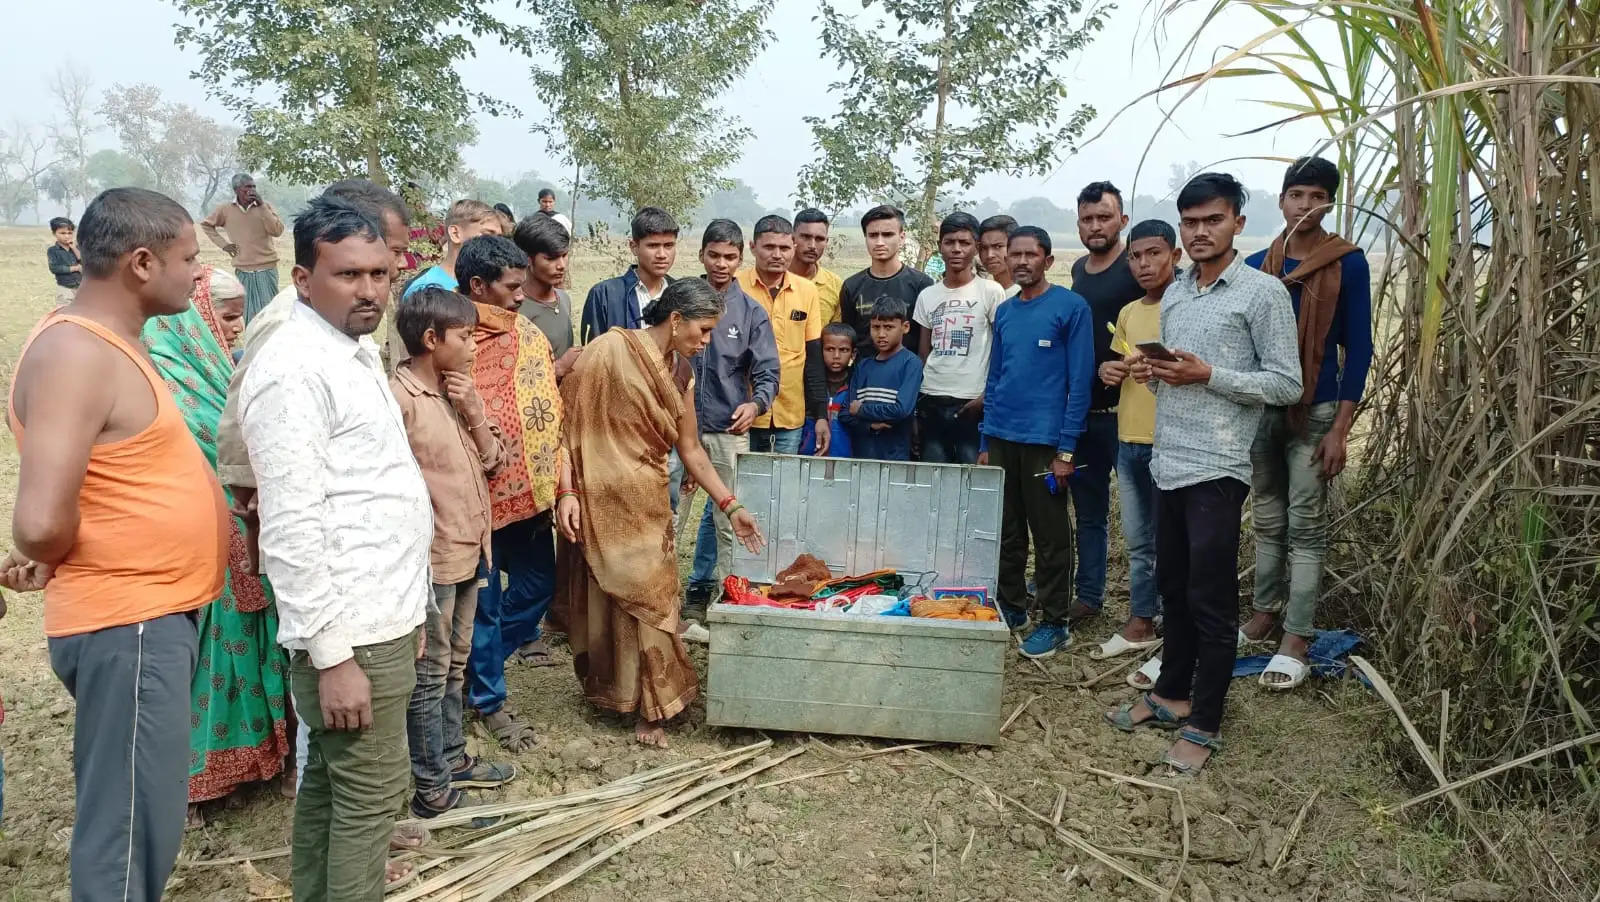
(735, 381)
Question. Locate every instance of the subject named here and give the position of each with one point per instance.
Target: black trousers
(1029, 508)
(1197, 574)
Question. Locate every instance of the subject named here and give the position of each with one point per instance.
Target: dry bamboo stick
(497, 889)
(1381, 686)
(280, 852)
(1444, 721)
(1068, 836)
(823, 772)
(972, 834)
(1294, 830)
(1497, 769)
(1061, 805)
(1017, 713)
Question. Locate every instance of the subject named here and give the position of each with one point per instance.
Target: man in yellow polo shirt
(810, 244)
(791, 303)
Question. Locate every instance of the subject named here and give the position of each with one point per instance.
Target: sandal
(422, 808)
(512, 734)
(1161, 717)
(1119, 645)
(1145, 677)
(1193, 737)
(534, 654)
(1295, 669)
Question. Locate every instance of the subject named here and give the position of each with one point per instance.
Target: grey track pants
(130, 754)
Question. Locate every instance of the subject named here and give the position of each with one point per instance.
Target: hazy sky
(130, 41)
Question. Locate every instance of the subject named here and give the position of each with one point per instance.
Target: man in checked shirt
(1229, 331)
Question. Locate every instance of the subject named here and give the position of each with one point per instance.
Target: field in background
(872, 833)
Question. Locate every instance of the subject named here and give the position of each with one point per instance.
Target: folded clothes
(953, 607)
(802, 578)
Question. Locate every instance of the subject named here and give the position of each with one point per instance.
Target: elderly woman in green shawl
(239, 697)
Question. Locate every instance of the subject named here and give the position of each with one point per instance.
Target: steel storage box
(894, 677)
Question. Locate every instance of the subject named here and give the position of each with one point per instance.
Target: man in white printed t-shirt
(957, 318)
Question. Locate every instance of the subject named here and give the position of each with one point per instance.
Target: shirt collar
(324, 332)
(1229, 273)
(411, 384)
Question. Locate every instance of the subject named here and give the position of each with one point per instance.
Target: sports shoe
(1045, 641)
(476, 773)
(1016, 619)
(695, 602)
(697, 634)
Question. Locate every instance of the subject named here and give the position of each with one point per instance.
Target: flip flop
(1150, 671)
(535, 654)
(397, 874)
(1118, 645)
(408, 838)
(1293, 668)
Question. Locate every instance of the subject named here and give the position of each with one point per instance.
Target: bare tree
(210, 150)
(71, 88)
(139, 117)
(23, 164)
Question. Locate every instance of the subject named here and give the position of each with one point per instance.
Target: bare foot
(1187, 757)
(194, 820)
(1259, 626)
(397, 872)
(286, 783)
(1139, 629)
(1297, 647)
(408, 838)
(650, 733)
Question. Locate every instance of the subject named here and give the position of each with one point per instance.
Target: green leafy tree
(331, 89)
(632, 91)
(110, 168)
(938, 93)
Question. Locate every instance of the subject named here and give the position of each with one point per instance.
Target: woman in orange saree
(629, 402)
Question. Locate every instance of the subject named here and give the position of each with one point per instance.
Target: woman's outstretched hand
(744, 526)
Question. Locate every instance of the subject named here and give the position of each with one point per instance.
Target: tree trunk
(577, 180)
(375, 171)
(926, 230)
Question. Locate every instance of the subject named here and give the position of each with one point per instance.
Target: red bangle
(726, 503)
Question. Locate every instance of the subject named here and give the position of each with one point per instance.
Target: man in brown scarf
(1298, 449)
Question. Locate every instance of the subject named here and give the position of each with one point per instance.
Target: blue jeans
(775, 441)
(947, 437)
(433, 715)
(508, 616)
(1096, 457)
(704, 574)
(1137, 492)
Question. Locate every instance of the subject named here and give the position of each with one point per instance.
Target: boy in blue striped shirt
(884, 388)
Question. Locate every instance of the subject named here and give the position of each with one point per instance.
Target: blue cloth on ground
(1329, 654)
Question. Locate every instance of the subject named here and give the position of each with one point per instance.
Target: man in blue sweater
(884, 388)
(1035, 405)
(1300, 448)
(621, 301)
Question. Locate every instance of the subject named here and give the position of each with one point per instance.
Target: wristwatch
(1064, 457)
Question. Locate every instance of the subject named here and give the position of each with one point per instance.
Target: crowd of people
(273, 546)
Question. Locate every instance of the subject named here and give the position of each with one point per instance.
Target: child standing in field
(65, 263)
(1153, 256)
(456, 447)
(884, 388)
(838, 353)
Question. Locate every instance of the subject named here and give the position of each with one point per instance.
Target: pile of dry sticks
(482, 865)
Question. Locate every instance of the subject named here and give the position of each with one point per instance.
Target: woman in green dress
(239, 698)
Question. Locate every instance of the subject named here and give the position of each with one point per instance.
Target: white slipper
(697, 634)
(1117, 646)
(1150, 670)
(1293, 668)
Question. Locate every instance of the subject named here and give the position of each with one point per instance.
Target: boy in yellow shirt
(1153, 255)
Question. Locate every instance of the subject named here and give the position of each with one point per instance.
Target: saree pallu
(514, 371)
(619, 588)
(239, 695)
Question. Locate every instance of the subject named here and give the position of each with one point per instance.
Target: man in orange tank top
(121, 522)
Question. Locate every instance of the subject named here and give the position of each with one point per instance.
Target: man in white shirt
(957, 319)
(345, 529)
